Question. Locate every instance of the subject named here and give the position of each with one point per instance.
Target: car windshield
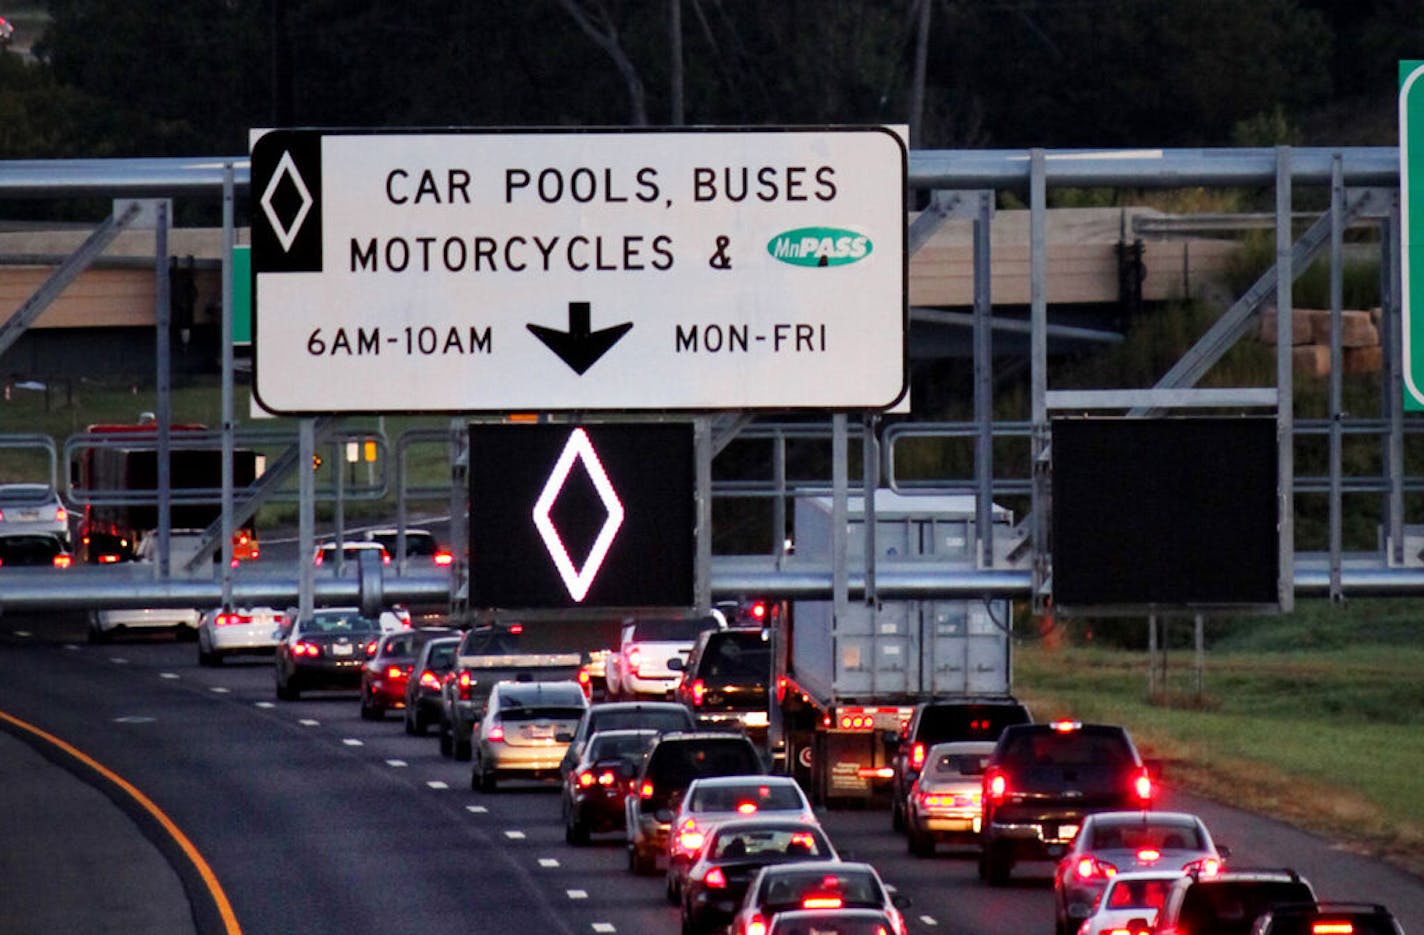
(416, 544)
(606, 746)
(1309, 923)
(1079, 748)
(1230, 907)
(350, 622)
(661, 719)
(540, 713)
(950, 765)
(1137, 894)
(1135, 835)
(676, 764)
(27, 494)
(831, 922)
(738, 654)
(969, 721)
(442, 656)
(770, 844)
(790, 887)
(666, 630)
(744, 797)
(402, 644)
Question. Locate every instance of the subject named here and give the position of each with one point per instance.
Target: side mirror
(676, 664)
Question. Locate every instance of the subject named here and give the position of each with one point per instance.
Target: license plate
(29, 516)
(756, 719)
(1067, 832)
(342, 649)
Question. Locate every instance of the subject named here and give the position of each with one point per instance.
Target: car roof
(775, 824)
(27, 490)
(704, 781)
(524, 691)
(823, 866)
(960, 746)
(1140, 816)
(624, 732)
(637, 706)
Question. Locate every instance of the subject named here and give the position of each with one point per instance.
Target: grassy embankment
(1316, 717)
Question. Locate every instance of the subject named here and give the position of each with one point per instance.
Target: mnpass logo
(819, 246)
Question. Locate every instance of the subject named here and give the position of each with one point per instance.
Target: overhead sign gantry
(681, 270)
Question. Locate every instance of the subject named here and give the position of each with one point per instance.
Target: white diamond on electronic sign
(578, 580)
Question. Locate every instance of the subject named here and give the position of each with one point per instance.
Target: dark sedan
(734, 853)
(34, 551)
(384, 678)
(326, 650)
(601, 778)
(422, 688)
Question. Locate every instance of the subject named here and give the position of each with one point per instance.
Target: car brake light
(635, 660)
(1147, 855)
(1142, 786)
(464, 684)
(585, 682)
(756, 925)
(63, 560)
(585, 778)
(1331, 928)
(646, 791)
(60, 516)
(496, 732)
(395, 673)
(516, 628)
(699, 692)
(1210, 866)
(759, 611)
(746, 808)
(1065, 726)
(690, 841)
(319, 559)
(428, 679)
(444, 558)
(822, 902)
(607, 778)
(108, 558)
(303, 648)
(917, 755)
(997, 786)
(715, 879)
(1089, 868)
(371, 647)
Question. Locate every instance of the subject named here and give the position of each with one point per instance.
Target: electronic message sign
(450, 270)
(590, 515)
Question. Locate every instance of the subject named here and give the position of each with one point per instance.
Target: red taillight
(395, 674)
(585, 681)
(585, 778)
(1142, 787)
(228, 619)
(1204, 867)
(917, 755)
(108, 558)
(607, 778)
(996, 786)
(759, 611)
(756, 925)
(371, 647)
(319, 558)
(646, 791)
(63, 560)
(716, 879)
(746, 808)
(699, 692)
(303, 648)
(822, 902)
(1148, 854)
(443, 558)
(1065, 726)
(1332, 928)
(496, 732)
(428, 679)
(463, 684)
(690, 841)
(60, 516)
(635, 660)
(1089, 868)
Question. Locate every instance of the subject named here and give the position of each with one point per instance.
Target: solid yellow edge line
(210, 879)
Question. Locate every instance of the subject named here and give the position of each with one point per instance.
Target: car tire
(489, 783)
(995, 865)
(576, 832)
(206, 657)
(97, 634)
(918, 843)
(643, 865)
(460, 746)
(447, 749)
(671, 891)
(408, 722)
(897, 813)
(286, 691)
(371, 711)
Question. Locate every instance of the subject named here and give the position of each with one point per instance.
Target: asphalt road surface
(313, 820)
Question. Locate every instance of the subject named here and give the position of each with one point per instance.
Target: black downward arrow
(579, 347)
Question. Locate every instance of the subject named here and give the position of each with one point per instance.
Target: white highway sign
(579, 271)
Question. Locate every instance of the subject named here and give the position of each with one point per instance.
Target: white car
(639, 668)
(715, 800)
(30, 509)
(525, 731)
(1128, 896)
(224, 632)
(105, 624)
(325, 554)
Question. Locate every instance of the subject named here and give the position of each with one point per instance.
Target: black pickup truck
(1042, 780)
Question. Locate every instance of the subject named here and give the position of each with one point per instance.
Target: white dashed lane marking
(548, 862)
(352, 742)
(168, 675)
(928, 920)
(577, 894)
(604, 927)
(437, 784)
(220, 690)
(514, 835)
(308, 722)
(396, 763)
(264, 704)
(475, 809)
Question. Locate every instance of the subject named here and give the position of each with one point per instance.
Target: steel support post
(1337, 363)
(1392, 379)
(1199, 663)
(225, 342)
(984, 383)
(702, 571)
(459, 447)
(338, 470)
(306, 516)
(163, 319)
(778, 505)
(869, 482)
(840, 482)
(1038, 371)
(1285, 380)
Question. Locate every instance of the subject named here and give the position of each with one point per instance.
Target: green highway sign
(1411, 197)
(242, 295)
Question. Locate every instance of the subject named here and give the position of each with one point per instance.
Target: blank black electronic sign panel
(565, 516)
(1174, 511)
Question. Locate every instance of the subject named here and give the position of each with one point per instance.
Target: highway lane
(317, 821)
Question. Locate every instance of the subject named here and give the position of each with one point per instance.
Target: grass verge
(1327, 740)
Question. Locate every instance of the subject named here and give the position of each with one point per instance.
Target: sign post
(679, 270)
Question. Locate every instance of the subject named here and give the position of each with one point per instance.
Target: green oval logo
(819, 246)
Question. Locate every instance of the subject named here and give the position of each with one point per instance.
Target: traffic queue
(741, 850)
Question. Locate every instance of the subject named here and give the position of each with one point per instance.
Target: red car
(384, 677)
